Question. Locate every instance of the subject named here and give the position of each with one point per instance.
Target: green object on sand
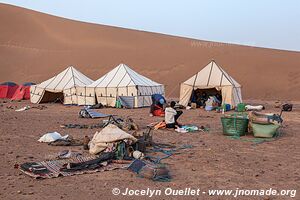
(264, 130)
(118, 104)
(241, 107)
(235, 124)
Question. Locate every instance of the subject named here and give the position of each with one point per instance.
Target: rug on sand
(57, 168)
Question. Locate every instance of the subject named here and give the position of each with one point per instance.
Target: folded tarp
(127, 101)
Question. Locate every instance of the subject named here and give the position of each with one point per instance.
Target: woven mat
(52, 167)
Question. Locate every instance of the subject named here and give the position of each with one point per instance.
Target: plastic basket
(235, 125)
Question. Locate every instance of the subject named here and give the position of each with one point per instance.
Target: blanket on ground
(54, 168)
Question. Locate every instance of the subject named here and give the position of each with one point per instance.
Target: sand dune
(35, 46)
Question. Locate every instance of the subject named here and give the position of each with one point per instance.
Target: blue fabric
(28, 84)
(9, 84)
(156, 98)
(127, 101)
(161, 101)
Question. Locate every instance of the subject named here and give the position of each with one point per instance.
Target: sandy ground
(214, 162)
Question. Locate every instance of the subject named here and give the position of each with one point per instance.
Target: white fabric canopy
(120, 81)
(63, 85)
(212, 76)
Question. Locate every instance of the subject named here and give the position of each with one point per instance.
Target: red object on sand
(22, 92)
(159, 112)
(7, 90)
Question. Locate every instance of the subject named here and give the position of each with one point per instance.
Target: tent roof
(68, 78)
(123, 76)
(212, 75)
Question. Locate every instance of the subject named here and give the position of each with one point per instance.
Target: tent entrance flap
(54, 97)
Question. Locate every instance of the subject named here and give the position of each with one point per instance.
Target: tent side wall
(23, 92)
(36, 94)
(19, 94)
(70, 97)
(144, 95)
(7, 91)
(11, 91)
(237, 95)
(108, 96)
(3, 91)
(227, 96)
(86, 96)
(26, 92)
(231, 95)
(185, 94)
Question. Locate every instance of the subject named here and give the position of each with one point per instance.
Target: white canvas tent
(212, 76)
(62, 86)
(122, 83)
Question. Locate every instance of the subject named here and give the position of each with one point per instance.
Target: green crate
(235, 125)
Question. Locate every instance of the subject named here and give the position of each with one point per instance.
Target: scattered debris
(86, 141)
(86, 112)
(138, 155)
(187, 129)
(277, 104)
(97, 106)
(39, 107)
(82, 126)
(108, 138)
(159, 125)
(51, 137)
(127, 125)
(11, 107)
(155, 172)
(23, 109)
(76, 164)
(257, 108)
(167, 150)
(66, 142)
(287, 107)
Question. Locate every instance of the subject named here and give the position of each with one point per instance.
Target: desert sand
(214, 162)
(36, 46)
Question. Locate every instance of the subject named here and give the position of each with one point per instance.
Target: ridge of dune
(35, 46)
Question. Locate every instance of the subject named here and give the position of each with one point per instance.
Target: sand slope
(35, 46)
